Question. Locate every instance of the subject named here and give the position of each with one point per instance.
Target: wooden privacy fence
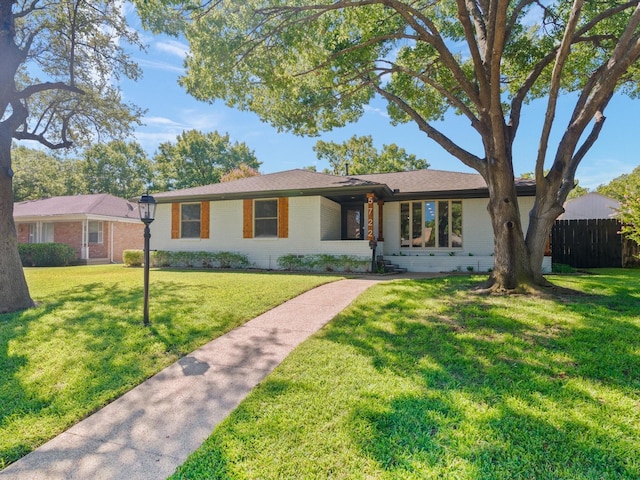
(595, 243)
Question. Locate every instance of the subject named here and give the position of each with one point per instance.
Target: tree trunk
(512, 265)
(541, 219)
(14, 292)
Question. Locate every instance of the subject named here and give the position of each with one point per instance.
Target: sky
(170, 111)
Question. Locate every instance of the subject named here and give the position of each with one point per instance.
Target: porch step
(385, 266)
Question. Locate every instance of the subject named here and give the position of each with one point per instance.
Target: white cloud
(378, 111)
(172, 47)
(161, 122)
(169, 67)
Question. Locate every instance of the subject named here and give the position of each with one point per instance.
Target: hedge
(324, 263)
(182, 259)
(46, 254)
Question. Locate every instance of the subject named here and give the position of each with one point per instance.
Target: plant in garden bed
(181, 259)
(324, 262)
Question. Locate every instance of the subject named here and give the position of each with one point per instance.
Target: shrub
(562, 268)
(46, 254)
(133, 258)
(182, 259)
(324, 263)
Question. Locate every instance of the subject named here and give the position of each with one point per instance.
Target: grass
(85, 344)
(421, 380)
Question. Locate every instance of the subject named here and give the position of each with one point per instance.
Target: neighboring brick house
(99, 227)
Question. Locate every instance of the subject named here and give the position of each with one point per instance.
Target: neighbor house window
(190, 220)
(266, 218)
(33, 233)
(431, 224)
(95, 231)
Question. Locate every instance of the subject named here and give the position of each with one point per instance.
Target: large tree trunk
(512, 269)
(14, 293)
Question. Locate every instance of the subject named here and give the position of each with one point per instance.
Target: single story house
(99, 227)
(590, 206)
(424, 220)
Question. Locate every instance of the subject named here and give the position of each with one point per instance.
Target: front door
(353, 222)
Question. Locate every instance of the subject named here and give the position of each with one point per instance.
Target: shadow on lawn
(81, 350)
(504, 397)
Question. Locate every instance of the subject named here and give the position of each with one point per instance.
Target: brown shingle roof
(280, 182)
(304, 182)
(101, 204)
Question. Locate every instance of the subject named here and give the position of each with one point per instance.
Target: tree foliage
(198, 158)
(119, 168)
(60, 62)
(38, 174)
(241, 171)
(363, 157)
(311, 66)
(622, 185)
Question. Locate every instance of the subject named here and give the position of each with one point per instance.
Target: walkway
(148, 432)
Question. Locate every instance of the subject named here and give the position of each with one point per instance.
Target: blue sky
(170, 110)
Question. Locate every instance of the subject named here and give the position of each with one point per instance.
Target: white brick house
(425, 220)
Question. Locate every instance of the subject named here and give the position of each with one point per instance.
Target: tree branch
(563, 54)
(445, 142)
(41, 87)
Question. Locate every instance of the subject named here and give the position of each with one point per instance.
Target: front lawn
(422, 379)
(85, 344)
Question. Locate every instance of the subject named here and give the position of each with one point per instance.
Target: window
(190, 220)
(95, 231)
(33, 233)
(266, 218)
(47, 233)
(431, 224)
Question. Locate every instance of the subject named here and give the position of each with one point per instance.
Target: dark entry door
(353, 222)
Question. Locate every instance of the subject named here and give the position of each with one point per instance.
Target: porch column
(370, 199)
(380, 218)
(84, 249)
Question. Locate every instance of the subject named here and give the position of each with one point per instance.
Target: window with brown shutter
(265, 218)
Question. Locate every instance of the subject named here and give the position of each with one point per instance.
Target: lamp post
(147, 210)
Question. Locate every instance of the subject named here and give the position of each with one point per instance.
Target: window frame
(408, 225)
(195, 221)
(99, 233)
(270, 219)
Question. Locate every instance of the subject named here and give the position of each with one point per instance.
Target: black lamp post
(147, 209)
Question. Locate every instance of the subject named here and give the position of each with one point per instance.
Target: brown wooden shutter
(204, 219)
(283, 217)
(175, 220)
(247, 218)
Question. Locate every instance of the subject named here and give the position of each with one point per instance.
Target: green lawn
(85, 344)
(422, 379)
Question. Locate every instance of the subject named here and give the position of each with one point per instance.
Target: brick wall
(22, 229)
(69, 233)
(127, 236)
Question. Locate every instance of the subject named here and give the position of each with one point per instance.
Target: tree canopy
(38, 174)
(60, 65)
(119, 168)
(198, 158)
(622, 185)
(363, 157)
(312, 66)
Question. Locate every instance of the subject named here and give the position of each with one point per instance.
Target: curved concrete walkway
(148, 432)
